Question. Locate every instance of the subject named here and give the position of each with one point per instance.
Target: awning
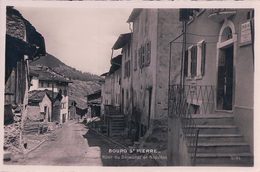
(115, 64)
(122, 40)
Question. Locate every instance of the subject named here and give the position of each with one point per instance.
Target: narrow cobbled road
(67, 146)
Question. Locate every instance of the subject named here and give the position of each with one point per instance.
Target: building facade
(23, 43)
(217, 87)
(153, 29)
(40, 106)
(43, 78)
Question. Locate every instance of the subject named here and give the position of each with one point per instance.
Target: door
(123, 102)
(45, 112)
(225, 79)
(149, 105)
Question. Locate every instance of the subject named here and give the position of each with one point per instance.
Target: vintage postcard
(129, 86)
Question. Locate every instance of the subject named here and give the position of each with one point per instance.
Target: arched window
(226, 34)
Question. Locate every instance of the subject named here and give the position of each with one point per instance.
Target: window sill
(198, 77)
(188, 78)
(194, 78)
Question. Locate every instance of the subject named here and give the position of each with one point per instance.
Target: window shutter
(203, 57)
(140, 57)
(148, 49)
(143, 56)
(193, 61)
(135, 61)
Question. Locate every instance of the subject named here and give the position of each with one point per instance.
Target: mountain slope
(83, 83)
(72, 73)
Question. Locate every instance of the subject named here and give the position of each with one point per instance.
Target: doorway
(149, 105)
(225, 79)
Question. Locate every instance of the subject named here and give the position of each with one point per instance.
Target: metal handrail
(183, 100)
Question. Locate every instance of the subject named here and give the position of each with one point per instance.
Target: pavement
(65, 147)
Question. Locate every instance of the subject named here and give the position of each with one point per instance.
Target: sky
(80, 37)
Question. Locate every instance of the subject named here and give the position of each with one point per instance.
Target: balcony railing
(186, 100)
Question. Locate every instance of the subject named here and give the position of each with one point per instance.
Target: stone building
(216, 92)
(94, 103)
(40, 105)
(111, 87)
(23, 44)
(111, 106)
(44, 78)
(152, 30)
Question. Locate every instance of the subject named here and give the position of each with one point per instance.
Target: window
(144, 54)
(127, 69)
(63, 106)
(41, 84)
(148, 53)
(128, 50)
(194, 60)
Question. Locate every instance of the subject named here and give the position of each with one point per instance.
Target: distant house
(23, 44)
(76, 112)
(43, 78)
(72, 110)
(40, 105)
(94, 103)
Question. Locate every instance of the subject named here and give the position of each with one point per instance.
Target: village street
(68, 146)
(75, 145)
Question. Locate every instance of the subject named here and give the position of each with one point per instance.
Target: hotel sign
(245, 33)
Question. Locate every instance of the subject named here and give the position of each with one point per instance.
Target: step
(215, 129)
(212, 119)
(117, 128)
(218, 137)
(117, 122)
(118, 125)
(229, 147)
(215, 116)
(224, 159)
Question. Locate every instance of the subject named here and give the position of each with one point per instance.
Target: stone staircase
(220, 142)
(116, 125)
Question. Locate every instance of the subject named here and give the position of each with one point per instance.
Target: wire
(180, 42)
(195, 34)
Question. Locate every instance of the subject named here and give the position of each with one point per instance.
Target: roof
(122, 40)
(16, 49)
(38, 95)
(94, 96)
(47, 74)
(115, 64)
(95, 101)
(16, 27)
(104, 74)
(134, 14)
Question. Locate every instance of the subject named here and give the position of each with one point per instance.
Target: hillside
(72, 73)
(83, 83)
(79, 89)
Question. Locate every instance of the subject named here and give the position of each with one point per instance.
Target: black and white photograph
(129, 87)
